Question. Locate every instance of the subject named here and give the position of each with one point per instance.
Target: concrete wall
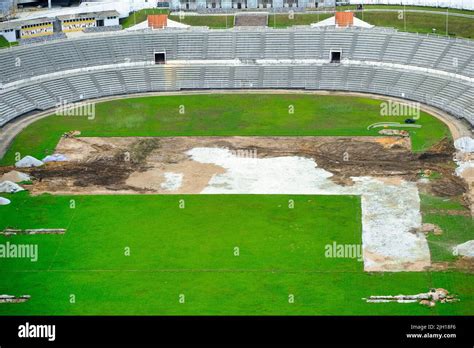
(277, 3)
(5, 6)
(251, 3)
(10, 36)
(329, 3)
(110, 22)
(227, 4)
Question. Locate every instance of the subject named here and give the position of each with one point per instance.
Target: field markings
(182, 271)
(62, 238)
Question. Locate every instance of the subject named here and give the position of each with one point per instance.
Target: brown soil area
(382, 264)
(448, 212)
(465, 264)
(137, 165)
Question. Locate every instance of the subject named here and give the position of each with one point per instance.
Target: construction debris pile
(429, 299)
(14, 299)
(13, 232)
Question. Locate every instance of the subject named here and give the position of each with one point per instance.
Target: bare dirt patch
(138, 165)
(465, 264)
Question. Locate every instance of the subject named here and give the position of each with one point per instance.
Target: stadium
(322, 169)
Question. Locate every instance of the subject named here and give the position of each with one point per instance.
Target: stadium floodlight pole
(404, 17)
(447, 21)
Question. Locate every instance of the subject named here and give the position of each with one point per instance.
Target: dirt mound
(444, 146)
(431, 228)
(55, 158)
(448, 186)
(28, 162)
(15, 176)
(10, 187)
(142, 148)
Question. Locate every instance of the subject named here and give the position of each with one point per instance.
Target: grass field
(398, 7)
(284, 21)
(413, 22)
(229, 114)
(214, 22)
(422, 23)
(190, 252)
(4, 43)
(456, 228)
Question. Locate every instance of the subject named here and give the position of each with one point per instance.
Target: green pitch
(141, 254)
(146, 255)
(223, 115)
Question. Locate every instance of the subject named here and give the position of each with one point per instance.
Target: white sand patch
(173, 181)
(10, 187)
(462, 166)
(28, 162)
(389, 211)
(389, 214)
(57, 157)
(464, 159)
(464, 144)
(464, 249)
(4, 201)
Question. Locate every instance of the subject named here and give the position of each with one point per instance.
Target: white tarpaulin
(332, 22)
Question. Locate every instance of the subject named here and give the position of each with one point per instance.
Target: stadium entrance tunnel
(336, 56)
(160, 58)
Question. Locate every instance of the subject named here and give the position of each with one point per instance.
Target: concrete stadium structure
(248, 4)
(436, 71)
(6, 6)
